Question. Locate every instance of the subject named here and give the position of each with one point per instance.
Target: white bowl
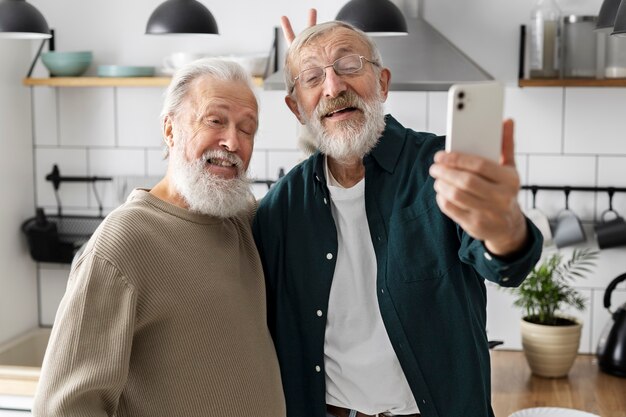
(254, 64)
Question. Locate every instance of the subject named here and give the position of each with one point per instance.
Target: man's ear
(293, 106)
(168, 131)
(384, 80)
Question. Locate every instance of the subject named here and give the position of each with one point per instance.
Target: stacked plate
(124, 71)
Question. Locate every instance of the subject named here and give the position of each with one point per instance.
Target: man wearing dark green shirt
(376, 248)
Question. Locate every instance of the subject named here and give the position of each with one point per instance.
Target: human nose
(230, 140)
(333, 84)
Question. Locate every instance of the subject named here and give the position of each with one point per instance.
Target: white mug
(177, 60)
(540, 219)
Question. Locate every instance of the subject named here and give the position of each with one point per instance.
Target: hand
(481, 195)
(288, 30)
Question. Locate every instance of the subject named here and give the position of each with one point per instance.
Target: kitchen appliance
(612, 345)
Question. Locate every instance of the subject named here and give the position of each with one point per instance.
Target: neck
(166, 191)
(346, 172)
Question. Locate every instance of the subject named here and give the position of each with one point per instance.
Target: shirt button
(317, 368)
(329, 256)
(325, 201)
(317, 178)
(319, 313)
(505, 279)
(487, 256)
(382, 290)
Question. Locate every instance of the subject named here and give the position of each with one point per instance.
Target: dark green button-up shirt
(430, 278)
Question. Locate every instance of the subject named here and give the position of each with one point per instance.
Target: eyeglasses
(349, 64)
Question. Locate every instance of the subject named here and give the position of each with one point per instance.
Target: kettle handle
(610, 288)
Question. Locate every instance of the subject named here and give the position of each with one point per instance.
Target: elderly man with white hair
(164, 313)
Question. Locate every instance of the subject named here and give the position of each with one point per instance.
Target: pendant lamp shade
(181, 17)
(606, 17)
(375, 17)
(619, 28)
(21, 20)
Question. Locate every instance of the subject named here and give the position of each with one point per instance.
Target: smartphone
(474, 123)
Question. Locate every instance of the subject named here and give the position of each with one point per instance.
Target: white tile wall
(156, 166)
(600, 131)
(137, 114)
(95, 127)
(277, 125)
(52, 283)
(45, 126)
(114, 163)
(537, 113)
(554, 146)
(410, 108)
(437, 108)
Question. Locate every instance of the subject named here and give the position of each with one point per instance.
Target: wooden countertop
(513, 387)
(586, 388)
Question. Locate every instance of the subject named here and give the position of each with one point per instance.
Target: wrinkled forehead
(328, 47)
(207, 92)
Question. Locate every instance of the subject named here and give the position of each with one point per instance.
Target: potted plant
(549, 338)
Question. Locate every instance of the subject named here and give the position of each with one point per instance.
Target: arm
(87, 359)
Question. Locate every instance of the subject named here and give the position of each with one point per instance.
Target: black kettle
(612, 345)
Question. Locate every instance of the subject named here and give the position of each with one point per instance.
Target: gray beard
(206, 193)
(352, 139)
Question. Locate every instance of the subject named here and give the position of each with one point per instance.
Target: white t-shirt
(362, 370)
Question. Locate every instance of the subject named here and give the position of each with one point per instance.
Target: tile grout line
(563, 104)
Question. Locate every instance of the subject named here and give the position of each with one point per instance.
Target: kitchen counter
(586, 388)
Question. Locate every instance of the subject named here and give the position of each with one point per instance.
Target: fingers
(487, 169)
(312, 18)
(287, 29)
(507, 156)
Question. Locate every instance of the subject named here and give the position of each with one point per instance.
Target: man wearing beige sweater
(164, 313)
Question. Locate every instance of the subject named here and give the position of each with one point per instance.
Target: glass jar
(544, 39)
(580, 46)
(615, 57)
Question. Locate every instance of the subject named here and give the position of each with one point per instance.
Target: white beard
(205, 192)
(351, 139)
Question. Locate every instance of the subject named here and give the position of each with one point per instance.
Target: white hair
(309, 34)
(182, 81)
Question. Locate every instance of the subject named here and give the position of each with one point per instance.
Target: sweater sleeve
(87, 359)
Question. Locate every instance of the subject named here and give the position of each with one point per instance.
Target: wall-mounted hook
(567, 190)
(611, 192)
(534, 190)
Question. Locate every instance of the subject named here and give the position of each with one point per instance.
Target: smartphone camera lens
(460, 106)
(461, 94)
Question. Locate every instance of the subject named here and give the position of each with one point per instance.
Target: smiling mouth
(342, 110)
(220, 162)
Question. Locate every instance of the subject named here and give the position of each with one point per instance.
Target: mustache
(346, 99)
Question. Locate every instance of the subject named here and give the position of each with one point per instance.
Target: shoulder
(293, 184)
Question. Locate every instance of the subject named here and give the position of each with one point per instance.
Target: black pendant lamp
(606, 17)
(619, 28)
(21, 20)
(181, 17)
(375, 17)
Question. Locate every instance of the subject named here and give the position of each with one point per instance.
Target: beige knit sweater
(164, 315)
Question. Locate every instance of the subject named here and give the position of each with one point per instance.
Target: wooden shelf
(573, 82)
(107, 81)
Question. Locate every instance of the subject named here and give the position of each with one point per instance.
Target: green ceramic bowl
(124, 71)
(67, 64)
